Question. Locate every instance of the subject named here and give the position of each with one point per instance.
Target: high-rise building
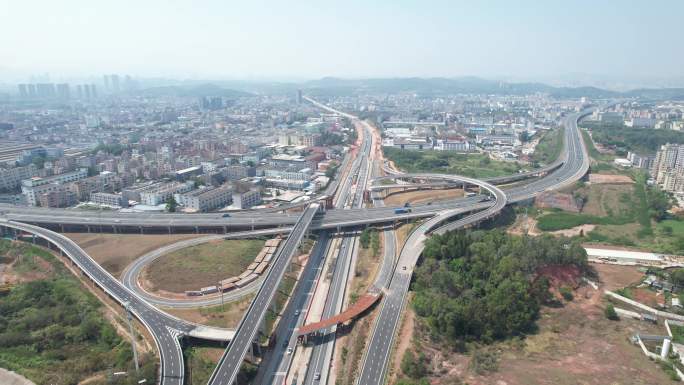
(93, 91)
(23, 91)
(31, 91)
(63, 91)
(668, 167)
(45, 90)
(79, 91)
(115, 82)
(106, 82)
(299, 96)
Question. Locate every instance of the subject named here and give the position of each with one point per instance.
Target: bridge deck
(363, 304)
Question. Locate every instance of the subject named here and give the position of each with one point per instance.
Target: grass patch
(450, 162)
(549, 147)
(562, 220)
(625, 292)
(591, 149)
(677, 333)
(202, 265)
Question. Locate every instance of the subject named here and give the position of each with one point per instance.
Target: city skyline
(560, 44)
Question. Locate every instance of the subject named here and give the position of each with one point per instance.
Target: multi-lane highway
(322, 352)
(377, 356)
(571, 166)
(229, 365)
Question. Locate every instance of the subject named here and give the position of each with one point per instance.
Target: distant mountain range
(193, 91)
(331, 86)
(474, 85)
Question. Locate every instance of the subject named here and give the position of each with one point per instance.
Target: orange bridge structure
(364, 303)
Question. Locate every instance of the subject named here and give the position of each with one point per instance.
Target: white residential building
(206, 199)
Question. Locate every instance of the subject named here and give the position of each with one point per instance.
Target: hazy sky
(349, 38)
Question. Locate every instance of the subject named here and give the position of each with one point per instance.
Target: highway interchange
(166, 329)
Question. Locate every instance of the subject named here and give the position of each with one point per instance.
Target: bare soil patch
(529, 224)
(606, 199)
(608, 178)
(416, 197)
(575, 344)
(616, 276)
(227, 317)
(116, 251)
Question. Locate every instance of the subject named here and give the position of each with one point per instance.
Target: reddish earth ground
(561, 275)
(574, 344)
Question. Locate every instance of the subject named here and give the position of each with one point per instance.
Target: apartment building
(32, 188)
(107, 199)
(206, 199)
(668, 167)
(11, 178)
(161, 193)
(247, 199)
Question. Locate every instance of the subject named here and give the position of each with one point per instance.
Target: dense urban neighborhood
(341, 193)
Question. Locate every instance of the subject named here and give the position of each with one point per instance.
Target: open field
(604, 204)
(116, 251)
(201, 265)
(417, 197)
(574, 344)
(593, 152)
(201, 363)
(450, 162)
(607, 199)
(549, 147)
(227, 317)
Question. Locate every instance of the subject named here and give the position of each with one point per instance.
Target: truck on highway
(402, 210)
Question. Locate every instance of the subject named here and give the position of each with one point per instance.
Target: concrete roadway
(164, 328)
(277, 363)
(231, 361)
(322, 352)
(377, 356)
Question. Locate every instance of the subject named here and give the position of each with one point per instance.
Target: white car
(289, 351)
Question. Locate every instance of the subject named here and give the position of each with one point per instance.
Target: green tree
(610, 312)
(412, 366)
(365, 238)
(171, 204)
(677, 277)
(566, 292)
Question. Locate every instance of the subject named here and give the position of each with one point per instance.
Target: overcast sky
(307, 39)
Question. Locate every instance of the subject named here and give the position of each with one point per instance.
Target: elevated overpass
(574, 163)
(164, 328)
(229, 364)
